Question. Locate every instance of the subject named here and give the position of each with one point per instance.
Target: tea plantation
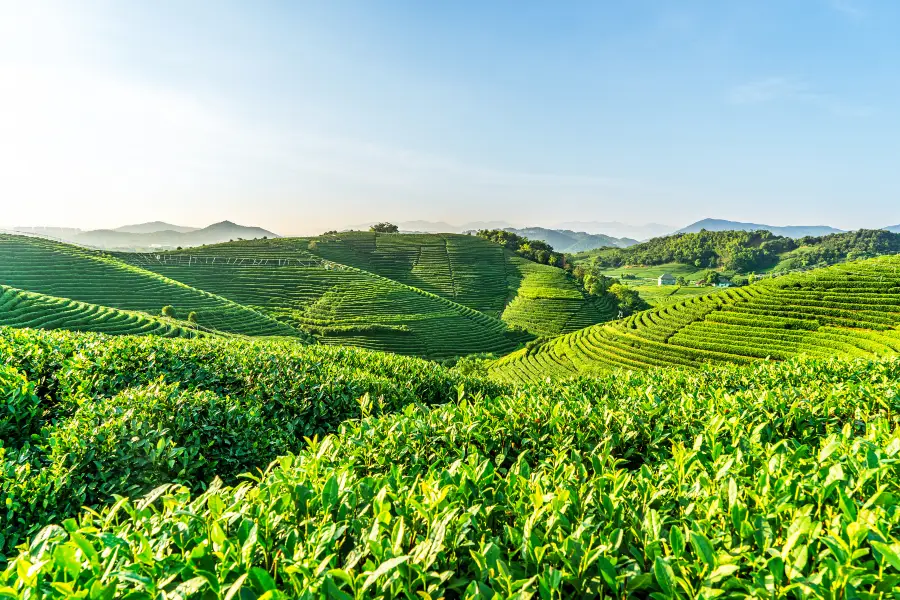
(66, 271)
(27, 309)
(852, 309)
(776, 480)
(465, 269)
(338, 304)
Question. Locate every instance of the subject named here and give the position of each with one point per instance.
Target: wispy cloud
(767, 90)
(849, 8)
(790, 89)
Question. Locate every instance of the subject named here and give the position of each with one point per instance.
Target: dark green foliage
(169, 311)
(748, 251)
(535, 250)
(384, 228)
(734, 250)
(20, 408)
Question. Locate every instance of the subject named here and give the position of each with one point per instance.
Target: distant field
(675, 269)
(656, 295)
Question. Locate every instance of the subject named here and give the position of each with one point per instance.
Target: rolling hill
(852, 309)
(791, 231)
(335, 303)
(389, 291)
(22, 309)
(66, 271)
(745, 251)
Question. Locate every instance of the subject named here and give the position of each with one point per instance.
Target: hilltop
(851, 309)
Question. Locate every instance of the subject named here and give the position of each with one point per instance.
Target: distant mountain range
(617, 229)
(791, 231)
(148, 236)
(564, 240)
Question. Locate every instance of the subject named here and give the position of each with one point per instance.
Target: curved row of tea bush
(465, 269)
(27, 309)
(84, 417)
(851, 309)
(67, 271)
(338, 304)
(776, 481)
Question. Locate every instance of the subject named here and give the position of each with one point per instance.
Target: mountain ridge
(791, 231)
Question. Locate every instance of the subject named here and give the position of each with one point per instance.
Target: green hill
(466, 270)
(66, 271)
(335, 303)
(27, 309)
(746, 251)
(852, 309)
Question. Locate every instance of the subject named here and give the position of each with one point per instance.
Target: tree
(681, 280)
(192, 318)
(169, 311)
(384, 228)
(629, 300)
(711, 277)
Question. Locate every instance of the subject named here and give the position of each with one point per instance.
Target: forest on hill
(747, 251)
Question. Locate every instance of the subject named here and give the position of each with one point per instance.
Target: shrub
(169, 311)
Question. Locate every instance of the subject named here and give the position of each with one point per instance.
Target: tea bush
(85, 417)
(775, 480)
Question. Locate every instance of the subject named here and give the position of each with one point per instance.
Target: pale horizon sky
(302, 117)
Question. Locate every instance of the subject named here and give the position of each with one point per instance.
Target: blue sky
(304, 116)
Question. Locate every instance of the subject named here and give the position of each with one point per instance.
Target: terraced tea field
(26, 309)
(851, 309)
(66, 271)
(465, 270)
(337, 304)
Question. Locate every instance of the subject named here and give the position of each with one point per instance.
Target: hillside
(462, 268)
(66, 271)
(791, 231)
(37, 311)
(746, 251)
(851, 309)
(570, 242)
(334, 303)
(729, 481)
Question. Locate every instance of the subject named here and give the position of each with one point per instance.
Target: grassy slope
(851, 309)
(338, 305)
(657, 295)
(19, 308)
(66, 271)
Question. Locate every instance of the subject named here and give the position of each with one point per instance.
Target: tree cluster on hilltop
(588, 278)
(853, 245)
(534, 250)
(747, 251)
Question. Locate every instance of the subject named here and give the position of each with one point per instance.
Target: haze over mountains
(154, 235)
(791, 231)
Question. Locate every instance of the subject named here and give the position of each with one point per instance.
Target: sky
(306, 116)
